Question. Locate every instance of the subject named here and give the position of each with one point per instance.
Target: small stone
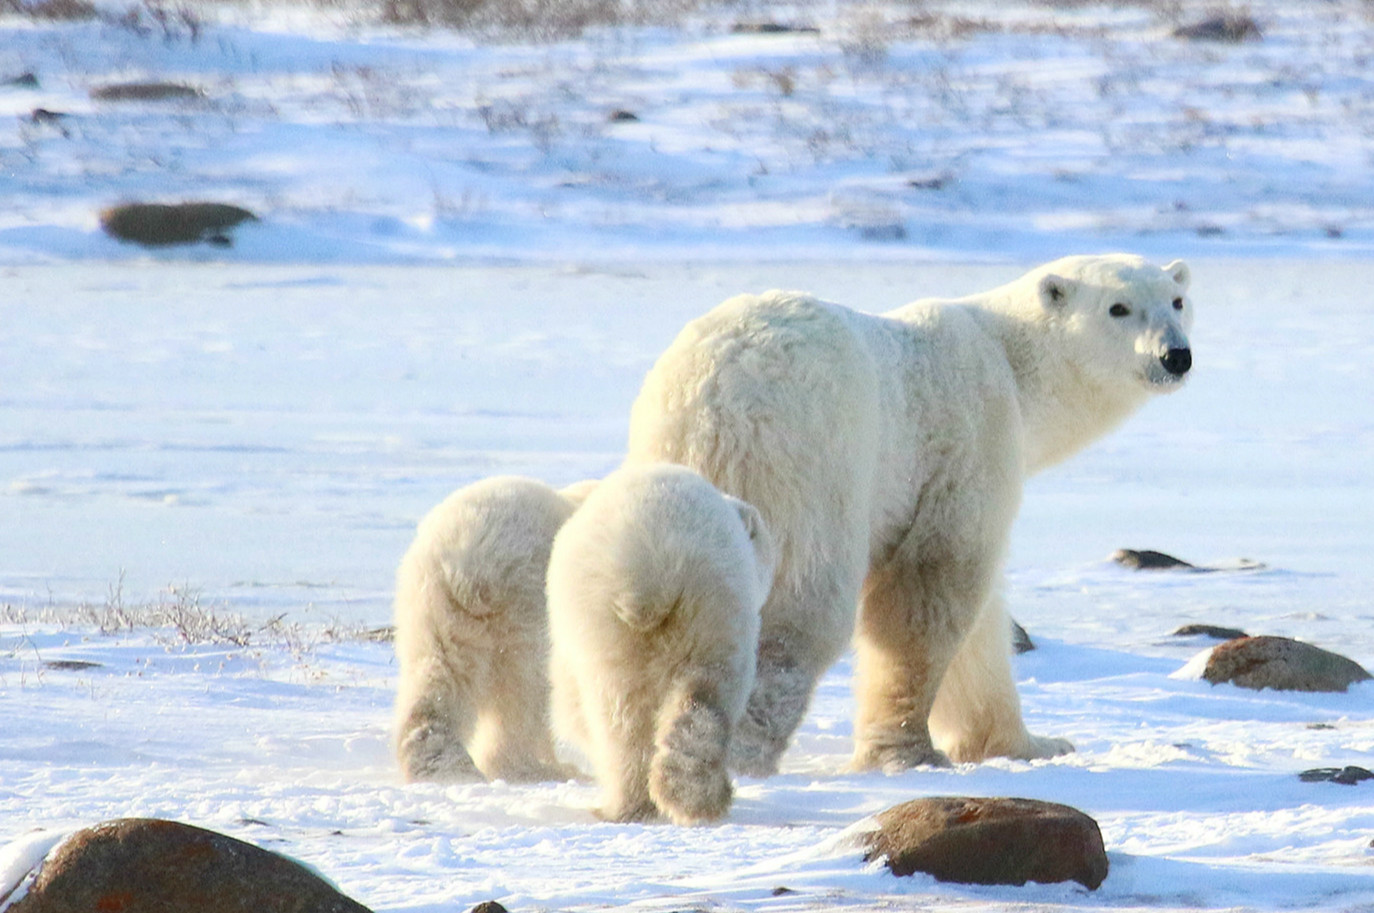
(621, 116)
(148, 865)
(1147, 560)
(1347, 776)
(989, 841)
(146, 91)
(1215, 631)
(930, 182)
(781, 891)
(1227, 27)
(1020, 640)
(773, 28)
(1282, 664)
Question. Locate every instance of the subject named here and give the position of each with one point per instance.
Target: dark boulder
(1282, 664)
(146, 91)
(1147, 560)
(163, 224)
(1227, 27)
(1020, 640)
(1214, 631)
(488, 906)
(989, 841)
(1347, 776)
(148, 865)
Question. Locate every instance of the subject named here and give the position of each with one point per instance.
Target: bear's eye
(1118, 310)
(1178, 304)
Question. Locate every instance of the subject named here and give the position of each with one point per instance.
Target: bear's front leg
(977, 713)
(915, 610)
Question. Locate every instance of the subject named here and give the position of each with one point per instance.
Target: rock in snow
(1215, 631)
(1147, 560)
(1282, 664)
(1020, 641)
(148, 865)
(1347, 776)
(989, 841)
(162, 224)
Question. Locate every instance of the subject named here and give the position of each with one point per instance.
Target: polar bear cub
(654, 591)
(472, 634)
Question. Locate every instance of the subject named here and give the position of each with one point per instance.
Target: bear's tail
(645, 608)
(687, 776)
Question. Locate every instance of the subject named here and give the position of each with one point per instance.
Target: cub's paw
(431, 755)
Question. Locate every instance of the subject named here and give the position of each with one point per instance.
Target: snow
(891, 130)
(465, 269)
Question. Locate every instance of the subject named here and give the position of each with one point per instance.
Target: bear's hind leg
(514, 739)
(782, 691)
(620, 730)
(434, 725)
(687, 778)
(977, 712)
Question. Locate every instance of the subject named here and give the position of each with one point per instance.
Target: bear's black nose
(1177, 361)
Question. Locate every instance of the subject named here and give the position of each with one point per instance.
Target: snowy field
(268, 437)
(464, 267)
(888, 130)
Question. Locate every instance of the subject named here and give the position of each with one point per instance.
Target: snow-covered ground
(891, 130)
(265, 438)
(464, 268)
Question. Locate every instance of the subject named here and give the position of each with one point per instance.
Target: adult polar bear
(887, 455)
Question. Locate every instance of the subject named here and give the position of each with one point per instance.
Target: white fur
(472, 637)
(887, 455)
(654, 591)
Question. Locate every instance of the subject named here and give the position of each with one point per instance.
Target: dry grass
(179, 618)
(551, 20)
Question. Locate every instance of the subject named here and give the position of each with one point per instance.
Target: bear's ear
(1055, 291)
(751, 518)
(1180, 273)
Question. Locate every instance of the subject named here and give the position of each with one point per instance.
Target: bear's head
(1125, 321)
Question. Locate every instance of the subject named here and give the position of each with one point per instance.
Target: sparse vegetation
(179, 618)
(50, 10)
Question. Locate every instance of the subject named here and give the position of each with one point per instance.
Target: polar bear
(472, 634)
(887, 455)
(654, 591)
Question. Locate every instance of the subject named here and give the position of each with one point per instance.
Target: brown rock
(1214, 631)
(147, 865)
(161, 224)
(488, 906)
(990, 841)
(1282, 664)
